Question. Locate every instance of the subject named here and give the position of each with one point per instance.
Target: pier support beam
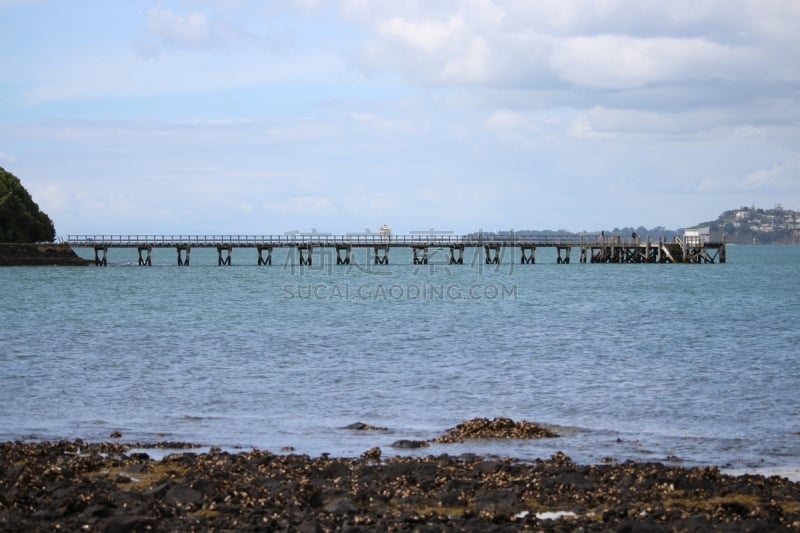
(101, 260)
(183, 259)
(264, 260)
(457, 260)
(666, 254)
(601, 254)
(567, 251)
(147, 261)
(582, 258)
(651, 252)
(492, 252)
(346, 259)
(305, 259)
(227, 259)
(381, 259)
(527, 258)
(420, 260)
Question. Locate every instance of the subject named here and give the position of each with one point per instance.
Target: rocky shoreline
(111, 487)
(36, 254)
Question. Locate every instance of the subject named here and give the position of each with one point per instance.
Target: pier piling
(457, 260)
(492, 252)
(381, 259)
(183, 258)
(101, 260)
(527, 254)
(264, 260)
(419, 260)
(305, 259)
(148, 260)
(346, 259)
(227, 259)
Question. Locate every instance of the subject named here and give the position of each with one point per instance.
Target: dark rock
(308, 526)
(642, 527)
(397, 469)
(206, 486)
(462, 485)
(136, 468)
(159, 491)
(341, 506)
(405, 443)
(361, 426)
(99, 511)
(451, 498)
(497, 500)
(139, 456)
(182, 495)
(128, 524)
(49, 514)
(335, 469)
(574, 480)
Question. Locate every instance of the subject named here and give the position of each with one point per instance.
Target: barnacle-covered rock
(74, 486)
(497, 428)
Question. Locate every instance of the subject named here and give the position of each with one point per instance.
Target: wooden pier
(598, 248)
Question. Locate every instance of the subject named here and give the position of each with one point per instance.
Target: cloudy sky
(252, 117)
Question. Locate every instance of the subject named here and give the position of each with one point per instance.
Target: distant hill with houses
(746, 225)
(752, 225)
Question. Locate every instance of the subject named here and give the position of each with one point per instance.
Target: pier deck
(593, 248)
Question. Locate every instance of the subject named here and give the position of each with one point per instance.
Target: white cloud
(379, 123)
(760, 177)
(425, 35)
(52, 194)
(7, 159)
(474, 66)
(604, 122)
(505, 120)
(581, 128)
(784, 176)
(192, 30)
(692, 52)
(619, 62)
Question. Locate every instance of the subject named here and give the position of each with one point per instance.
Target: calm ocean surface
(694, 364)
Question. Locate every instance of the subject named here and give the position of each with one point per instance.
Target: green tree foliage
(20, 217)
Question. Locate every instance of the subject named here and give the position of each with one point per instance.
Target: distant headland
(27, 233)
(746, 225)
(752, 225)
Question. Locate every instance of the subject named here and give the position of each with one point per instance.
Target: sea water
(687, 364)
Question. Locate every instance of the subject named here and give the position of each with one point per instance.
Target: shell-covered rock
(497, 428)
(78, 486)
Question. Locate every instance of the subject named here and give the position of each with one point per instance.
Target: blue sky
(250, 117)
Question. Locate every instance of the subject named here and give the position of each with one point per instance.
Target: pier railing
(352, 239)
